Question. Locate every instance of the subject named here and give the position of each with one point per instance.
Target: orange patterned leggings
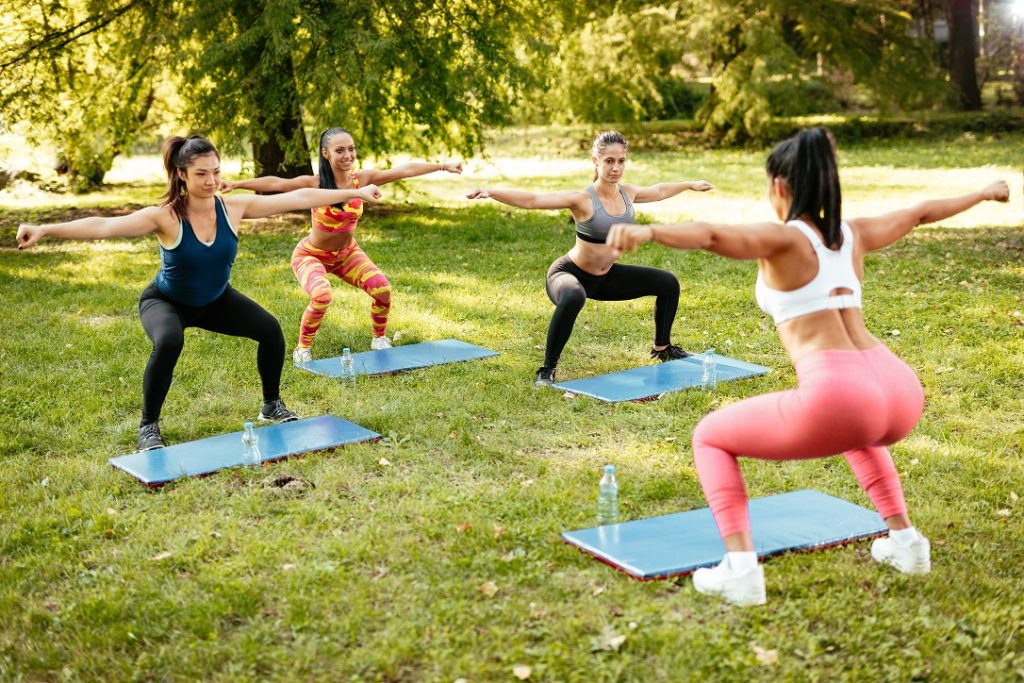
(352, 265)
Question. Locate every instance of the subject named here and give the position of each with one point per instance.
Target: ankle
(904, 537)
(741, 561)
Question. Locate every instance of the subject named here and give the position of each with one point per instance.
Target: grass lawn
(434, 554)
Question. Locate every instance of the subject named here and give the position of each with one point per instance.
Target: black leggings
(231, 313)
(569, 287)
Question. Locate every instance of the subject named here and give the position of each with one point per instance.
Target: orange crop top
(339, 219)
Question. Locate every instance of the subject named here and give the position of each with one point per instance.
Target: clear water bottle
(608, 498)
(709, 379)
(251, 442)
(348, 367)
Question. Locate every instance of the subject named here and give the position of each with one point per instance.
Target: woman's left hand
(701, 186)
(629, 236)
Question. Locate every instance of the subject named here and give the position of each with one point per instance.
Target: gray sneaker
(149, 437)
(545, 377)
(276, 411)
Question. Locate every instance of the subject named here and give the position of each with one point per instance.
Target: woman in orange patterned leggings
(331, 246)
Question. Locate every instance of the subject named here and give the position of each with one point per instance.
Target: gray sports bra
(595, 229)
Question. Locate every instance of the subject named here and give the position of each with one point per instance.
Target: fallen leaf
(111, 511)
(452, 435)
(381, 571)
(1003, 513)
(894, 333)
(384, 461)
(568, 394)
(521, 671)
(215, 534)
(463, 527)
(598, 590)
(288, 567)
(45, 482)
(1014, 497)
(609, 640)
(489, 589)
(499, 531)
(765, 657)
(526, 482)
(160, 557)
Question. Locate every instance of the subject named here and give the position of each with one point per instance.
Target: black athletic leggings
(231, 313)
(569, 287)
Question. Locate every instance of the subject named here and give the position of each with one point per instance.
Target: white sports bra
(835, 271)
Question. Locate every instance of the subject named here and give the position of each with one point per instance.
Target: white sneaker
(380, 343)
(739, 588)
(915, 558)
(300, 356)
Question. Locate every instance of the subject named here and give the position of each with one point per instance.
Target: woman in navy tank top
(196, 230)
(589, 270)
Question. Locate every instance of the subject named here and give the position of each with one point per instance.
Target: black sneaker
(149, 436)
(670, 352)
(545, 377)
(276, 411)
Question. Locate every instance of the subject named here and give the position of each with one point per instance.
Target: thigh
(356, 268)
(632, 282)
(236, 315)
(783, 425)
(161, 317)
(561, 284)
(310, 272)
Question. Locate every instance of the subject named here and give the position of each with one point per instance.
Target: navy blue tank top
(193, 273)
(595, 229)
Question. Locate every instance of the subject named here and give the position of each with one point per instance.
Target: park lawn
(434, 554)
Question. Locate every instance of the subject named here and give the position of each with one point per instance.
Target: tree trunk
(280, 148)
(963, 48)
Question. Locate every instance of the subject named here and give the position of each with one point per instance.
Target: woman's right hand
(28, 235)
(228, 185)
(998, 191)
(478, 194)
(370, 193)
(629, 236)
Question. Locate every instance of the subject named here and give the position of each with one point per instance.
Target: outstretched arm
(759, 240)
(260, 206)
(567, 199)
(655, 193)
(270, 183)
(409, 170)
(141, 222)
(881, 231)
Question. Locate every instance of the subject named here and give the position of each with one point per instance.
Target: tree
(76, 77)
(963, 50)
(753, 46)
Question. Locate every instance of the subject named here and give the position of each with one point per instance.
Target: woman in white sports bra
(853, 395)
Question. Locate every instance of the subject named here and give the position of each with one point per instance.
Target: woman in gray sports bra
(589, 270)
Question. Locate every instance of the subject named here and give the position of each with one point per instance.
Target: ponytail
(807, 162)
(179, 153)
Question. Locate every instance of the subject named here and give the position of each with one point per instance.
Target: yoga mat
(196, 458)
(401, 358)
(653, 380)
(671, 545)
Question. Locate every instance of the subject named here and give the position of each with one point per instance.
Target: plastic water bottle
(608, 498)
(709, 380)
(348, 368)
(251, 441)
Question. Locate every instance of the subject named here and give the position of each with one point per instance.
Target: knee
(670, 284)
(320, 297)
(382, 294)
(169, 344)
(571, 300)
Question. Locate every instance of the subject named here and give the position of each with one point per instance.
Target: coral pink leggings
(850, 402)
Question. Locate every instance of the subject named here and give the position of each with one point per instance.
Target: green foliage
(78, 80)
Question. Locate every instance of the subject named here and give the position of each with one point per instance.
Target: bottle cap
(248, 425)
(344, 350)
(609, 469)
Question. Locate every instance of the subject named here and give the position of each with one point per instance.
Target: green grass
(376, 573)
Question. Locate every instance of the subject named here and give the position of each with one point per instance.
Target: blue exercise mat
(653, 380)
(401, 358)
(670, 545)
(204, 456)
